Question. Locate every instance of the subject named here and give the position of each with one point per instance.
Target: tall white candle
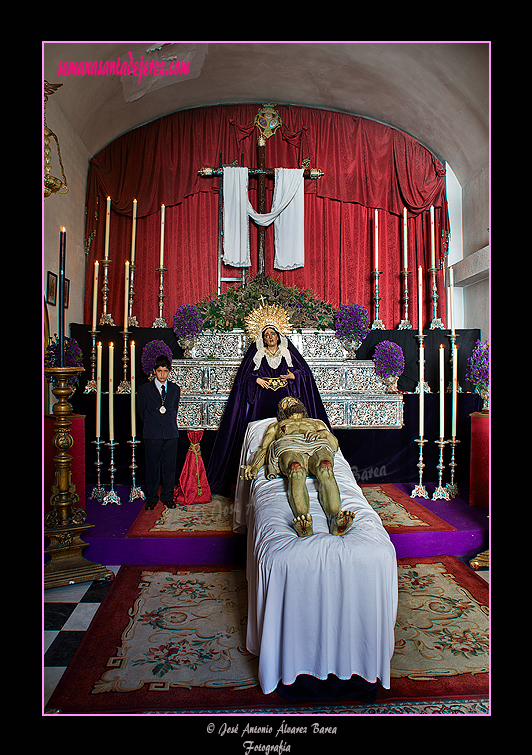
(126, 296)
(111, 392)
(432, 239)
(405, 240)
(442, 392)
(95, 294)
(161, 256)
(421, 390)
(376, 239)
(133, 397)
(451, 297)
(455, 390)
(107, 227)
(134, 232)
(133, 384)
(420, 300)
(98, 389)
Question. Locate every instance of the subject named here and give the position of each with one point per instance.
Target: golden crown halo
(264, 315)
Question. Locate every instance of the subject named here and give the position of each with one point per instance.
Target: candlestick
(377, 322)
(420, 300)
(432, 239)
(440, 492)
(161, 255)
(126, 295)
(124, 386)
(376, 239)
(451, 298)
(421, 386)
(95, 294)
(111, 392)
(442, 391)
(98, 389)
(61, 296)
(98, 491)
(420, 491)
(134, 232)
(133, 389)
(405, 323)
(405, 239)
(454, 389)
(66, 522)
(111, 496)
(135, 492)
(107, 227)
(452, 487)
(160, 322)
(106, 318)
(436, 322)
(132, 320)
(90, 387)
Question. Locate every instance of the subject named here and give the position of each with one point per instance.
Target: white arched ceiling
(437, 92)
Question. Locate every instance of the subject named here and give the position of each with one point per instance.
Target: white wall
(66, 210)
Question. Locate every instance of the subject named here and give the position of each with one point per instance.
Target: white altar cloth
(320, 605)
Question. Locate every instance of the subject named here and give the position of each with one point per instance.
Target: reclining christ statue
(297, 446)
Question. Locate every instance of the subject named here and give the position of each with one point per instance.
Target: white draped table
(319, 605)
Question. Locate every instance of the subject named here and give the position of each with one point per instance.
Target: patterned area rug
(184, 630)
(166, 639)
(196, 520)
(398, 512)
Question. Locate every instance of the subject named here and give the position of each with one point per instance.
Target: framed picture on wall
(51, 288)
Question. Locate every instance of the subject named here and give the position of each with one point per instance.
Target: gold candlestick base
(67, 566)
(480, 561)
(65, 523)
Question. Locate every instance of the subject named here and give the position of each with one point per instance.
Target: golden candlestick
(66, 522)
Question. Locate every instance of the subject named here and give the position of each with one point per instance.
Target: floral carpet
(166, 639)
(398, 512)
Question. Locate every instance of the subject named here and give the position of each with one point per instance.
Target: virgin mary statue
(271, 369)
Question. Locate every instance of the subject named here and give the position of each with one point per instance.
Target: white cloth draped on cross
(287, 215)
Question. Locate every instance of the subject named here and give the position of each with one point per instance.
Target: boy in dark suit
(157, 404)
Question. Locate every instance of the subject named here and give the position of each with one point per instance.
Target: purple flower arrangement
(73, 357)
(478, 366)
(188, 321)
(389, 359)
(351, 322)
(151, 351)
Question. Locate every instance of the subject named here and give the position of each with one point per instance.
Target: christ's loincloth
(294, 442)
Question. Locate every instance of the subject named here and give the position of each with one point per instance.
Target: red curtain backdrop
(366, 166)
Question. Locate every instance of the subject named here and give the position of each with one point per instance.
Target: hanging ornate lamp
(52, 185)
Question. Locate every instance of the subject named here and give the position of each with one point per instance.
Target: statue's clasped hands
(265, 384)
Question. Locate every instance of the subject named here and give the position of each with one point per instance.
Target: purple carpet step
(108, 542)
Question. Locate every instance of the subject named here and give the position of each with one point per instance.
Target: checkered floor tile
(67, 613)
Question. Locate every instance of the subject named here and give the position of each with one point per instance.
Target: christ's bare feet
(303, 525)
(341, 523)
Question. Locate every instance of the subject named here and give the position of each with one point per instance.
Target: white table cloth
(320, 605)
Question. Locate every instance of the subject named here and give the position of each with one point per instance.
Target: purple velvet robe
(248, 402)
